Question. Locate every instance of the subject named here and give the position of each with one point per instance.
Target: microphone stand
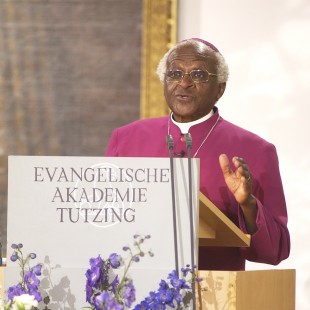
(169, 141)
(188, 142)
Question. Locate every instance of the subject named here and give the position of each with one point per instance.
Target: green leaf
(20, 306)
(7, 306)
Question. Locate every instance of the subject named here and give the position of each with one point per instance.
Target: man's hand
(239, 182)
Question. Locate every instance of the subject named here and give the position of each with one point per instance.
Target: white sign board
(69, 209)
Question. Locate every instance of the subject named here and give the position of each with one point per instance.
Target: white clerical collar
(184, 127)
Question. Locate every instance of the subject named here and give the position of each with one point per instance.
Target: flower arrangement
(175, 293)
(106, 291)
(25, 295)
(105, 288)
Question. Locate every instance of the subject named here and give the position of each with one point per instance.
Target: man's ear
(221, 90)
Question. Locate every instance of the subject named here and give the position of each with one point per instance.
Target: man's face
(187, 100)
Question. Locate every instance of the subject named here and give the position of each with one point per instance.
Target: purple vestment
(271, 243)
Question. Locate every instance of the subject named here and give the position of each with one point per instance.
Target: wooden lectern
(238, 290)
(216, 229)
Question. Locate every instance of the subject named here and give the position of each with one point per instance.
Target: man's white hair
(222, 67)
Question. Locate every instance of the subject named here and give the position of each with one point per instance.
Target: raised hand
(239, 182)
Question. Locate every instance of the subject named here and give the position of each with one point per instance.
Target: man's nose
(186, 80)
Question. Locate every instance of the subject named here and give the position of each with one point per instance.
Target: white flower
(25, 300)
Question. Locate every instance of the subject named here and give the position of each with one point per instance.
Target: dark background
(69, 74)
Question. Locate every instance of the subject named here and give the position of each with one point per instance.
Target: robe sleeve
(112, 148)
(270, 244)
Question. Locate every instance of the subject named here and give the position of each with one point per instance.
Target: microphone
(170, 143)
(181, 154)
(188, 141)
(189, 145)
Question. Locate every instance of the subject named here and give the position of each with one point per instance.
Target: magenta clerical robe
(271, 242)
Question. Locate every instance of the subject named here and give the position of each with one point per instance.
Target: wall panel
(69, 74)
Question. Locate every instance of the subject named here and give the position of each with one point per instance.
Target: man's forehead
(193, 58)
(190, 53)
(175, 55)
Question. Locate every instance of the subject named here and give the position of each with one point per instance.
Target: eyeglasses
(197, 76)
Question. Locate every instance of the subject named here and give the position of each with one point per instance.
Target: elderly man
(249, 189)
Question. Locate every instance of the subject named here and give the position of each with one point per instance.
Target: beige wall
(267, 45)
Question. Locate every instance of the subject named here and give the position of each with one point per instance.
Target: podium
(67, 199)
(238, 290)
(216, 229)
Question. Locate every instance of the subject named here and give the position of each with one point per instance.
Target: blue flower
(113, 305)
(89, 293)
(104, 301)
(96, 262)
(36, 294)
(14, 257)
(169, 293)
(32, 255)
(31, 280)
(120, 294)
(37, 269)
(101, 300)
(178, 283)
(163, 285)
(165, 296)
(114, 284)
(115, 260)
(29, 284)
(15, 290)
(129, 295)
(186, 271)
(93, 276)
